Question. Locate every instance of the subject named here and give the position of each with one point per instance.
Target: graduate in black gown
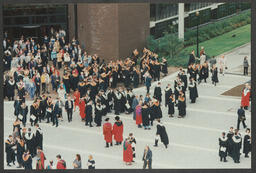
(168, 93)
(205, 71)
(237, 140)
(171, 103)
(27, 160)
(98, 114)
(20, 151)
(136, 77)
(88, 113)
(16, 105)
(247, 143)
(161, 131)
(30, 142)
(117, 102)
(223, 142)
(164, 67)
(155, 111)
(230, 142)
(214, 71)
(193, 93)
(38, 137)
(181, 106)
(158, 92)
(145, 116)
(10, 154)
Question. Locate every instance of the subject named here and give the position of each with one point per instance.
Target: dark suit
(147, 159)
(241, 117)
(69, 109)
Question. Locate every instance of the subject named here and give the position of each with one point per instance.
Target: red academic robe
(40, 163)
(82, 108)
(76, 98)
(245, 98)
(60, 165)
(118, 131)
(127, 152)
(138, 115)
(107, 132)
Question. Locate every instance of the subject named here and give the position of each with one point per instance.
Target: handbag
(20, 116)
(32, 117)
(127, 105)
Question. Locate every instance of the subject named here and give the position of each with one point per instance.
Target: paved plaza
(193, 140)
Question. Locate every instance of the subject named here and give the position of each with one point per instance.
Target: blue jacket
(148, 81)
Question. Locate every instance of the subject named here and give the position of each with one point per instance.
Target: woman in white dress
(222, 64)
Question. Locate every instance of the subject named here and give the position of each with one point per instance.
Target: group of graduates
(230, 144)
(23, 145)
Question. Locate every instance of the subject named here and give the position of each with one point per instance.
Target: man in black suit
(241, 117)
(69, 108)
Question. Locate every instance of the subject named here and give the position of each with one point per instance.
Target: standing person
(158, 92)
(246, 93)
(241, 117)
(49, 109)
(107, 132)
(236, 147)
(181, 106)
(139, 114)
(162, 133)
(246, 65)
(27, 160)
(88, 112)
(81, 106)
(20, 151)
(16, 105)
(135, 103)
(56, 112)
(69, 108)
(192, 58)
(118, 131)
(164, 67)
(214, 71)
(148, 80)
(222, 63)
(223, 147)
(147, 158)
(168, 93)
(10, 154)
(23, 112)
(30, 142)
(40, 159)
(230, 142)
(38, 84)
(127, 152)
(91, 162)
(39, 137)
(193, 94)
(132, 140)
(77, 164)
(76, 98)
(61, 164)
(247, 143)
(145, 116)
(171, 103)
(98, 113)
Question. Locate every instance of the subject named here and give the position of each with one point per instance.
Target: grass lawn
(217, 45)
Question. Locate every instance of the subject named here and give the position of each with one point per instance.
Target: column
(181, 21)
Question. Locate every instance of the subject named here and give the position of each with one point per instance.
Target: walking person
(148, 80)
(147, 158)
(161, 132)
(241, 117)
(246, 94)
(247, 143)
(107, 132)
(171, 103)
(223, 64)
(193, 93)
(127, 152)
(69, 108)
(223, 142)
(246, 65)
(118, 131)
(214, 71)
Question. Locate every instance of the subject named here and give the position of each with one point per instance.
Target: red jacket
(60, 165)
(127, 152)
(82, 108)
(118, 131)
(107, 132)
(76, 97)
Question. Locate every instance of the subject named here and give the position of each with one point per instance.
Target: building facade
(111, 30)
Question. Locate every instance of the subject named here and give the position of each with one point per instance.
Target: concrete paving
(193, 140)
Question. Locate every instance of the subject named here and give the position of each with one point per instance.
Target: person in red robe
(40, 159)
(107, 132)
(61, 164)
(82, 108)
(127, 152)
(76, 99)
(138, 115)
(118, 128)
(245, 101)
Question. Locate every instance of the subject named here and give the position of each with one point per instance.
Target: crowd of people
(79, 81)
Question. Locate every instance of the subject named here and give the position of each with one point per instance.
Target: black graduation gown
(156, 112)
(145, 116)
(230, 143)
(10, 154)
(88, 113)
(163, 135)
(182, 108)
(98, 115)
(165, 68)
(215, 76)
(126, 78)
(168, 93)
(236, 147)
(193, 94)
(10, 89)
(20, 151)
(171, 109)
(205, 72)
(223, 142)
(39, 138)
(30, 142)
(158, 93)
(117, 103)
(91, 164)
(191, 59)
(17, 107)
(24, 113)
(123, 102)
(28, 164)
(184, 79)
(67, 84)
(247, 144)
(136, 79)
